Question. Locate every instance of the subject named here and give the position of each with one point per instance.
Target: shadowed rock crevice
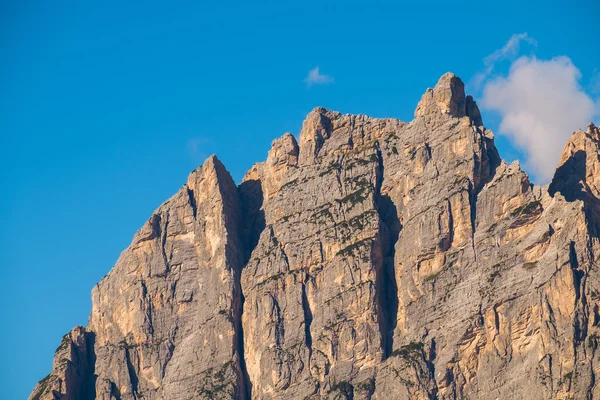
(253, 217)
(89, 386)
(244, 384)
(308, 317)
(163, 242)
(192, 201)
(344, 389)
(580, 317)
(493, 157)
(86, 357)
(251, 226)
(447, 240)
(484, 171)
(385, 279)
(568, 177)
(131, 371)
(473, 209)
(114, 391)
(431, 358)
(570, 181)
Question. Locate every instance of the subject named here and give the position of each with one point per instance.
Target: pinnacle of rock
(448, 97)
(284, 151)
(593, 131)
(373, 259)
(315, 130)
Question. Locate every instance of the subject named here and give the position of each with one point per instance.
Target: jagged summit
(370, 259)
(577, 176)
(448, 97)
(593, 131)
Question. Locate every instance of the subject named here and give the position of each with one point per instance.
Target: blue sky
(105, 108)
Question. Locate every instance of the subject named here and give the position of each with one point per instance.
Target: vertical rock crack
(385, 275)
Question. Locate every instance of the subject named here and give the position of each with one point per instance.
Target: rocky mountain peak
(283, 155)
(373, 259)
(316, 128)
(448, 97)
(284, 151)
(593, 131)
(577, 176)
(212, 168)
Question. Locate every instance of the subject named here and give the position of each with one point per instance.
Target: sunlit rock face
(370, 259)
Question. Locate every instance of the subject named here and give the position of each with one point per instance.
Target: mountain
(374, 259)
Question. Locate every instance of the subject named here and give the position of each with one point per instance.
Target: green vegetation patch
(527, 208)
(343, 387)
(434, 275)
(361, 220)
(271, 278)
(410, 352)
(349, 250)
(355, 197)
(530, 265)
(526, 213)
(493, 276)
(290, 183)
(390, 137)
(334, 166)
(367, 386)
(64, 343)
(320, 214)
(216, 382)
(592, 340)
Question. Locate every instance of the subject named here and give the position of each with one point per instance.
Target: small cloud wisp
(317, 78)
(509, 51)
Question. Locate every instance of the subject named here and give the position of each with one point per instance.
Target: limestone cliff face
(374, 259)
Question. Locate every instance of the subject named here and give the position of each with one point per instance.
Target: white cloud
(510, 49)
(316, 78)
(198, 148)
(508, 52)
(541, 103)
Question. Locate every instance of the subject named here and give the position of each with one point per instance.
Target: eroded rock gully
(373, 259)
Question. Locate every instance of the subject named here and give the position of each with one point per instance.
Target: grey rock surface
(372, 259)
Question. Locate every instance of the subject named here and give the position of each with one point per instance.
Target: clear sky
(105, 107)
